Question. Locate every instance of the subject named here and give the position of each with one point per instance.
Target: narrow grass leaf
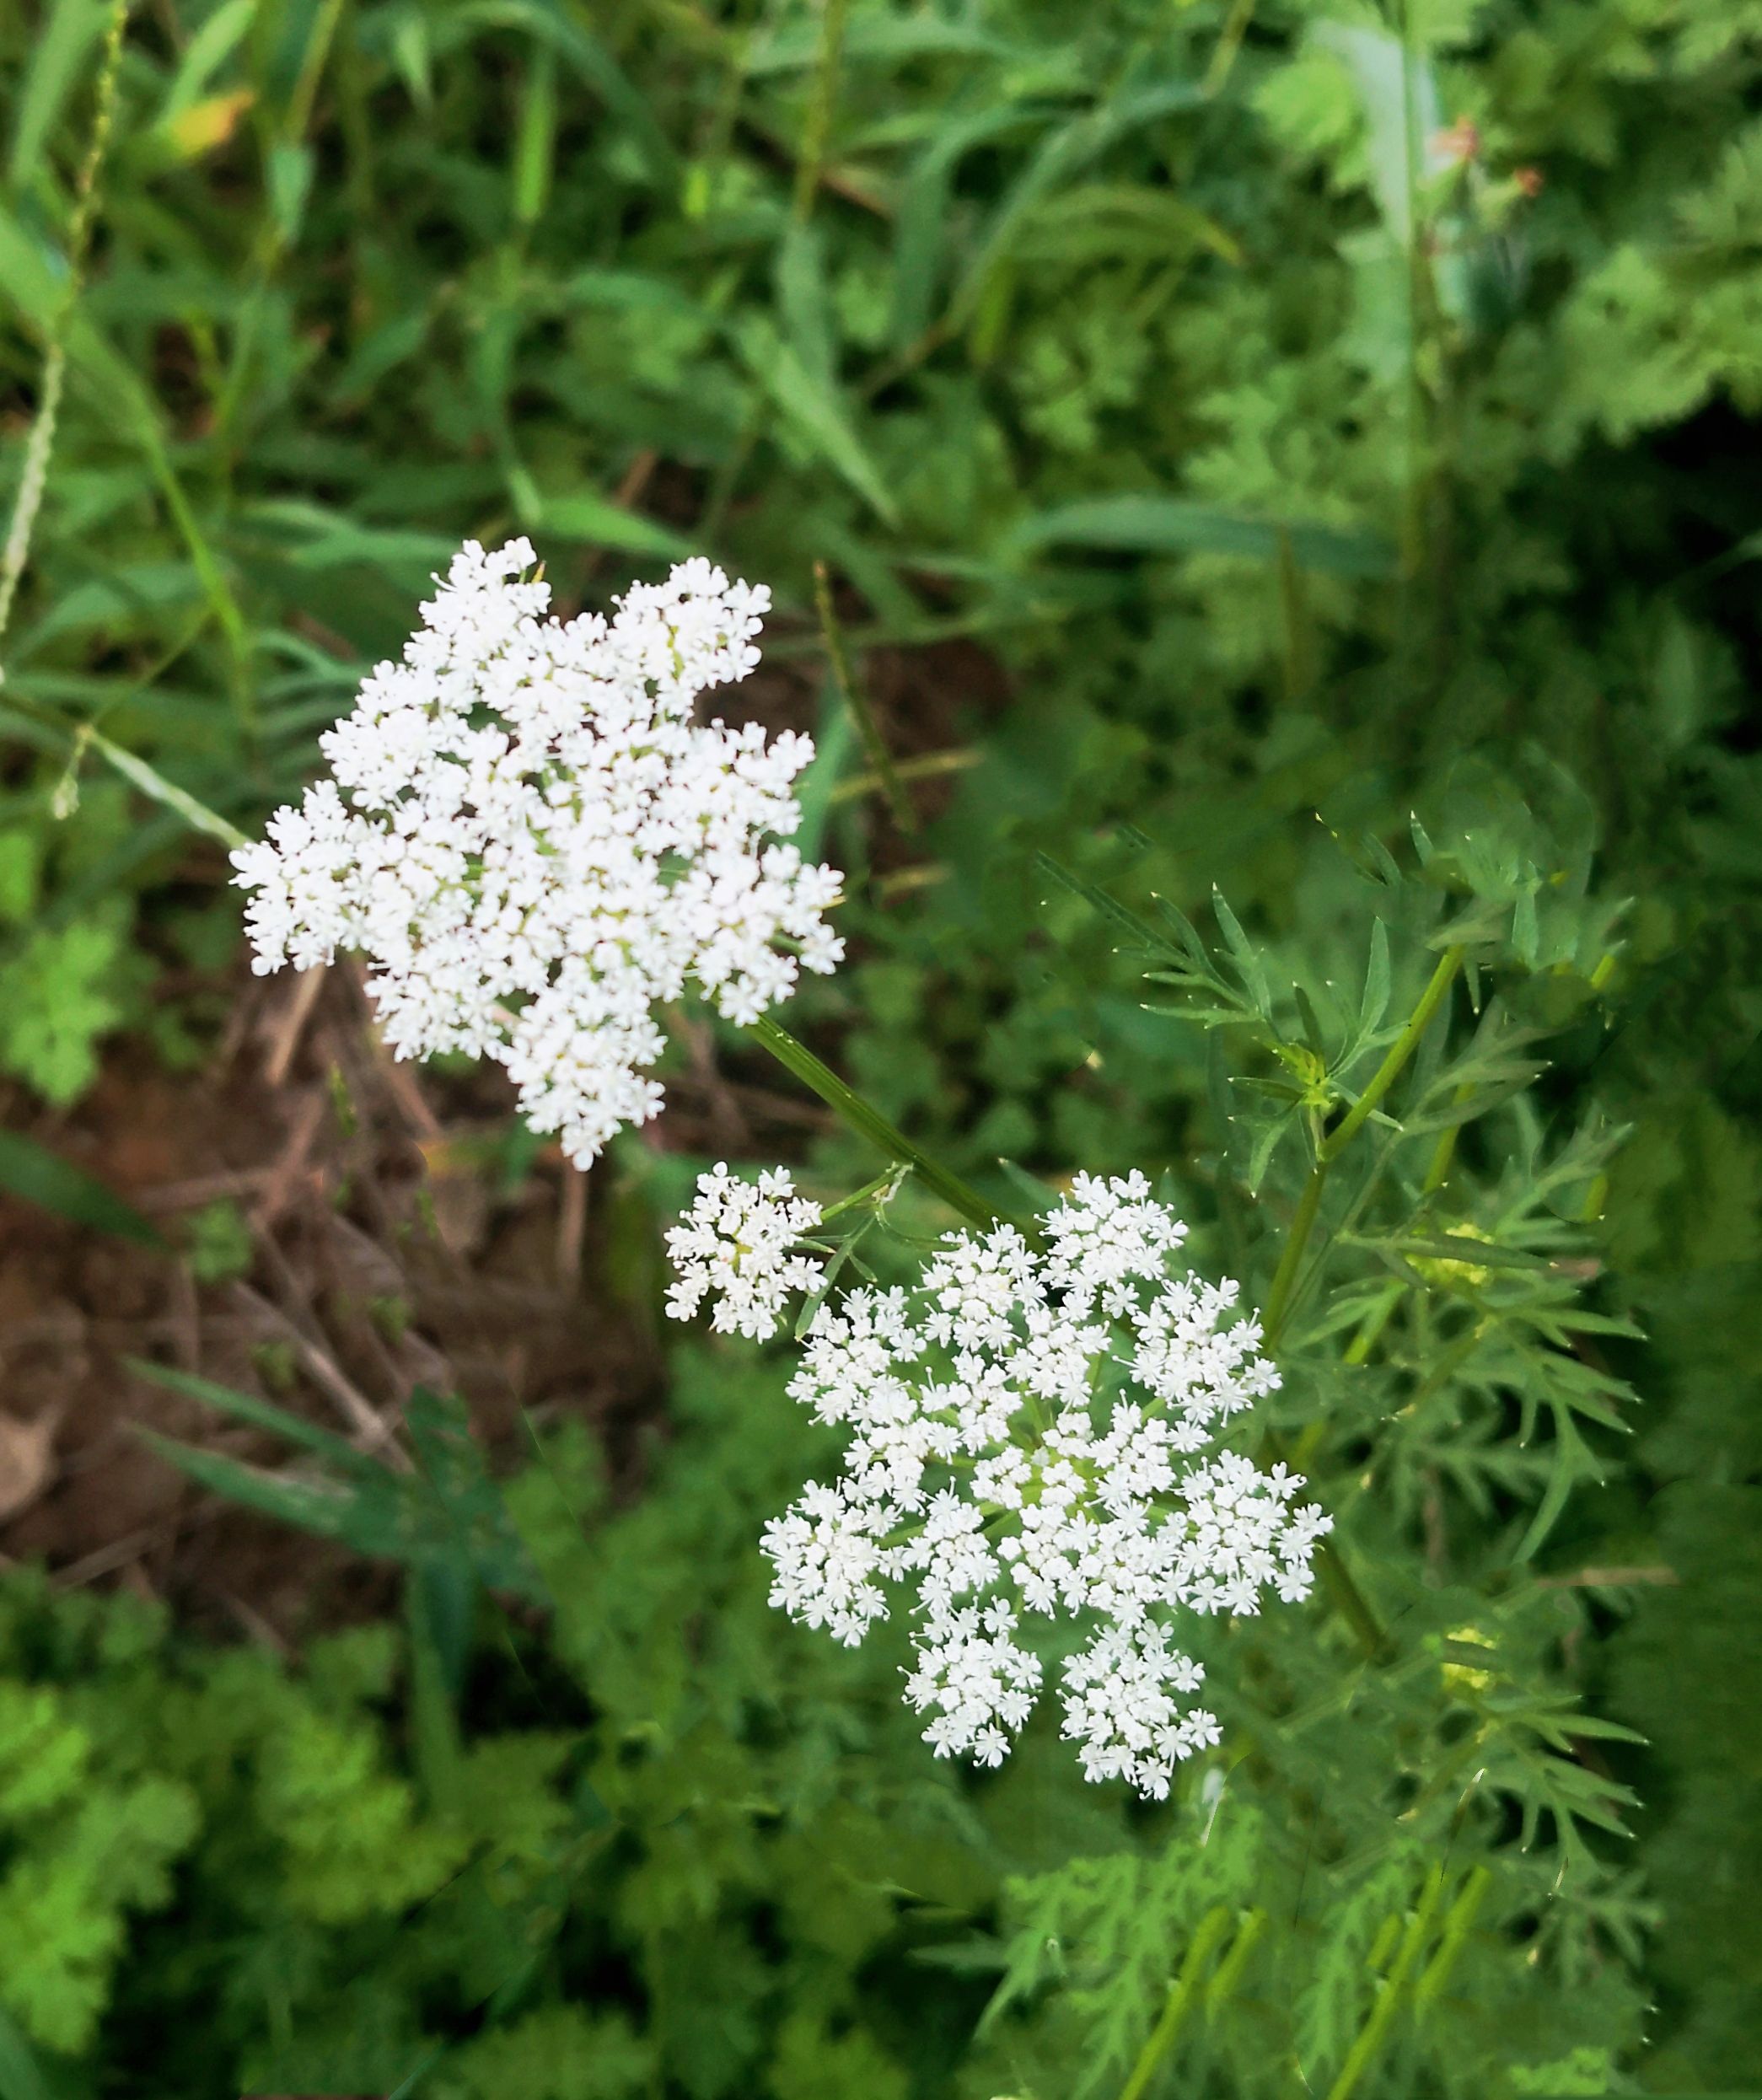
(59, 49)
(37, 1176)
(600, 521)
(153, 783)
(1172, 524)
(260, 1414)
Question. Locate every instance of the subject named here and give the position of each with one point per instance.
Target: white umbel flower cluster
(734, 1245)
(1029, 1434)
(533, 843)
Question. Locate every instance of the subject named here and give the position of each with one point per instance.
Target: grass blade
(37, 1176)
(1172, 524)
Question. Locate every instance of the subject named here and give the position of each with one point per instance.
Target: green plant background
(1285, 466)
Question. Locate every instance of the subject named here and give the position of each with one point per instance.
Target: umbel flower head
(734, 1245)
(534, 844)
(1032, 1434)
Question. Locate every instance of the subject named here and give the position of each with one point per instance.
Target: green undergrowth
(678, 1846)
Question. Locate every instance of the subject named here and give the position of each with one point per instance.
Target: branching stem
(1405, 1044)
(1330, 1148)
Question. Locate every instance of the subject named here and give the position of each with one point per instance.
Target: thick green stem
(1344, 1594)
(1278, 1303)
(869, 1123)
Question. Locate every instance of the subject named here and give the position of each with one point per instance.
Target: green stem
(874, 745)
(1278, 1299)
(1344, 1594)
(1278, 1303)
(869, 1123)
(1405, 1044)
(34, 477)
(1336, 1577)
(1229, 42)
(869, 1189)
(823, 96)
(1181, 1993)
(1363, 2051)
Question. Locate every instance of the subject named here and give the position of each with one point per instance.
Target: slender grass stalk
(822, 98)
(273, 235)
(933, 765)
(855, 700)
(41, 443)
(1229, 42)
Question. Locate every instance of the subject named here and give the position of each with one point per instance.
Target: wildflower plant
(1073, 1465)
(1402, 421)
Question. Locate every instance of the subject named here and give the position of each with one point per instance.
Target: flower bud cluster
(534, 844)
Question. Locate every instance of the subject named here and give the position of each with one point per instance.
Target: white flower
(733, 1245)
(534, 844)
(1023, 1436)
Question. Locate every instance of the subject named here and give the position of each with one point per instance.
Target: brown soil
(383, 1254)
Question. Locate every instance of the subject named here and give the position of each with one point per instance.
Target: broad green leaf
(1375, 1003)
(815, 411)
(1070, 149)
(22, 2075)
(921, 222)
(367, 1518)
(208, 50)
(1244, 953)
(1397, 90)
(874, 38)
(1141, 937)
